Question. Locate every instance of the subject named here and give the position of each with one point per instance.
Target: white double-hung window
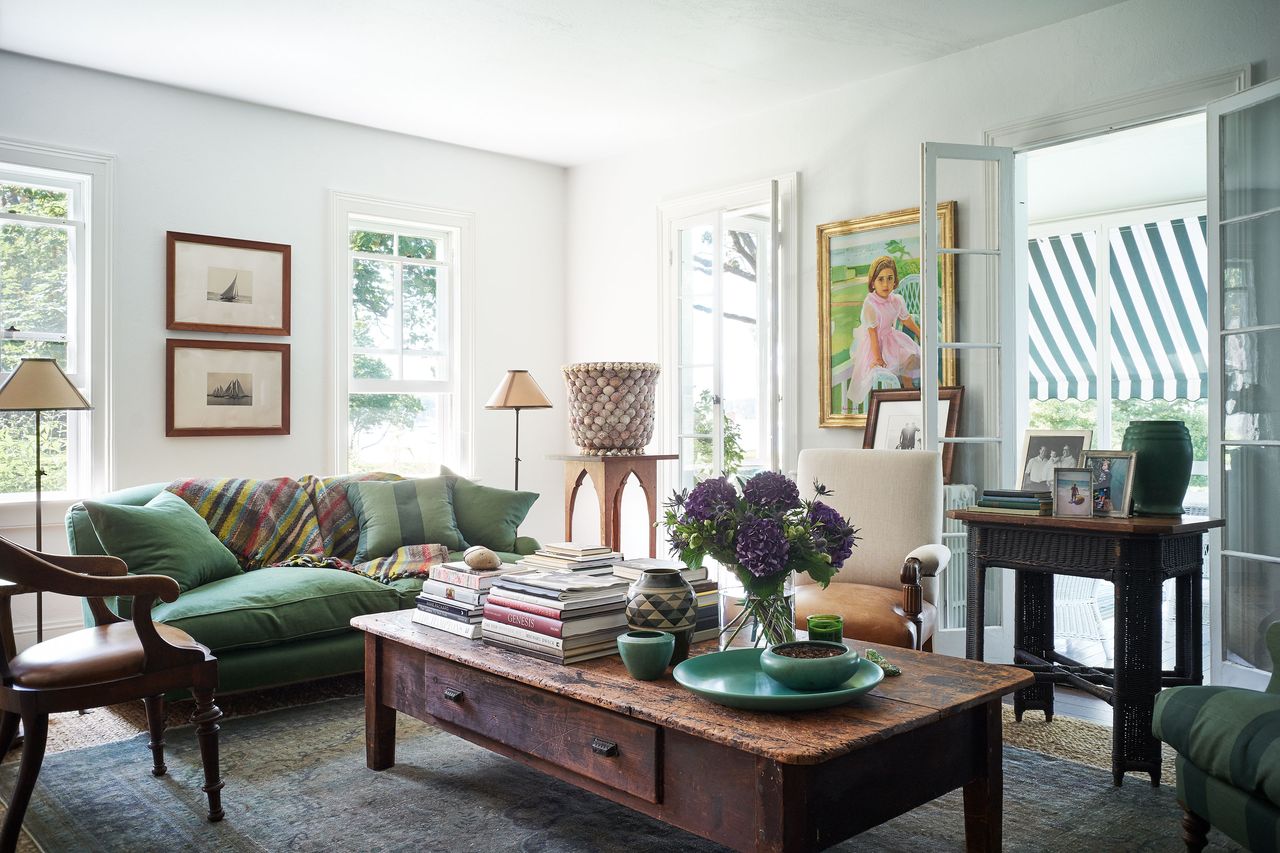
(44, 298)
(402, 387)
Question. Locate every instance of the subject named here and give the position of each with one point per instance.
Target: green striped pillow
(405, 512)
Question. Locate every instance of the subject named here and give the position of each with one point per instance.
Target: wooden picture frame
(847, 252)
(1111, 469)
(226, 388)
(1073, 493)
(882, 420)
(221, 284)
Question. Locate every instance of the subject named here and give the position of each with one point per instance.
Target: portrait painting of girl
(869, 309)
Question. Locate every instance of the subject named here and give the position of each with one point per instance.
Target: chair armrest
(34, 570)
(932, 559)
(89, 564)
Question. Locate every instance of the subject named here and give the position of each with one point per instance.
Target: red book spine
(512, 604)
(522, 619)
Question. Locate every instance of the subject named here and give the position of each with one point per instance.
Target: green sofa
(272, 626)
(1228, 765)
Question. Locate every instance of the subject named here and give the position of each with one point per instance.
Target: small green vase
(1162, 470)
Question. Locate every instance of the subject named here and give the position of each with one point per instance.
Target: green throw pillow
(405, 512)
(488, 516)
(164, 537)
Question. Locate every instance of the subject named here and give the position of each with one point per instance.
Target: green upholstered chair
(1228, 745)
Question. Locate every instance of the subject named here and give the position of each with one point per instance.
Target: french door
(991, 362)
(1244, 417)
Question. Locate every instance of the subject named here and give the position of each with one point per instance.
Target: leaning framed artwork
(869, 298)
(1112, 480)
(1045, 450)
(220, 284)
(894, 422)
(226, 388)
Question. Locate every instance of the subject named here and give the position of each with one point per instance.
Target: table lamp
(39, 385)
(517, 391)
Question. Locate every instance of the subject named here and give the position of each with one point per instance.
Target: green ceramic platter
(734, 678)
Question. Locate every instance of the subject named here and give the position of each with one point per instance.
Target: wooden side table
(609, 477)
(1137, 555)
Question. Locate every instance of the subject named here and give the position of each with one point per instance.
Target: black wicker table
(1137, 555)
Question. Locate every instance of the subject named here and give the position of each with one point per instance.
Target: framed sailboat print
(226, 388)
(220, 284)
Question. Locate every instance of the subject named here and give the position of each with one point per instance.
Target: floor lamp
(39, 385)
(517, 391)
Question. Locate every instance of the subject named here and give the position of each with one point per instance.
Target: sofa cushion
(488, 516)
(262, 522)
(163, 537)
(275, 605)
(339, 527)
(408, 512)
(1230, 733)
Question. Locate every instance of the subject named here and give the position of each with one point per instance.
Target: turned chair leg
(8, 731)
(155, 725)
(206, 718)
(1195, 831)
(36, 728)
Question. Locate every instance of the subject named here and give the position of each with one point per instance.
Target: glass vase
(756, 614)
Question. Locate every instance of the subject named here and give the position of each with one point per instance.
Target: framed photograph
(1046, 449)
(869, 301)
(1112, 480)
(1073, 492)
(226, 388)
(894, 422)
(217, 284)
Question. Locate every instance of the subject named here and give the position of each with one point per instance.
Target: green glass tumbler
(826, 626)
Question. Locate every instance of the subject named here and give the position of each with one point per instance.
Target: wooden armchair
(885, 591)
(115, 661)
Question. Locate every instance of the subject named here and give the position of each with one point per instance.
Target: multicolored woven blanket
(339, 527)
(262, 522)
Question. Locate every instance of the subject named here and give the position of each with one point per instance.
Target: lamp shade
(40, 385)
(518, 390)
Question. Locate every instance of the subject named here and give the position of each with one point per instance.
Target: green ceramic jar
(662, 600)
(1162, 470)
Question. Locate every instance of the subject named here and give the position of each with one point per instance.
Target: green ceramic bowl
(810, 674)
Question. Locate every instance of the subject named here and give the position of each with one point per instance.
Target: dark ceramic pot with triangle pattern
(661, 600)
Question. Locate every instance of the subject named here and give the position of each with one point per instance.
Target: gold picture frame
(861, 241)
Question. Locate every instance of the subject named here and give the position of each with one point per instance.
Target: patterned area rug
(296, 780)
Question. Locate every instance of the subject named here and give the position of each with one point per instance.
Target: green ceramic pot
(1162, 469)
(810, 674)
(661, 600)
(646, 654)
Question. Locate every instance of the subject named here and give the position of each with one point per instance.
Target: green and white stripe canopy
(1158, 302)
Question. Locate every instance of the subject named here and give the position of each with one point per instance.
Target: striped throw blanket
(262, 522)
(407, 561)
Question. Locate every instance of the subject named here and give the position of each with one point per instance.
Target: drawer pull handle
(607, 748)
(453, 694)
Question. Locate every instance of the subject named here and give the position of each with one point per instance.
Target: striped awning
(1158, 303)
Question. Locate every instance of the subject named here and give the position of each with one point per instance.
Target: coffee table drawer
(610, 748)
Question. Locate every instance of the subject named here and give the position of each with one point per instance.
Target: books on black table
(1016, 493)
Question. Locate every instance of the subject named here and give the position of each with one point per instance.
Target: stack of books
(1014, 502)
(572, 557)
(557, 616)
(708, 625)
(633, 569)
(453, 597)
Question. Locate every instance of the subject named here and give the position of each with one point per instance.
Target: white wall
(191, 162)
(857, 151)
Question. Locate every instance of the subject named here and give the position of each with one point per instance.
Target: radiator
(951, 591)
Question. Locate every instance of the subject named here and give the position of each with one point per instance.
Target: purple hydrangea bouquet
(762, 534)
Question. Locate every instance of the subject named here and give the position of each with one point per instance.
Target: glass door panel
(1244, 432)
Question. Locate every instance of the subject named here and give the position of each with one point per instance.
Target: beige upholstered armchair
(886, 589)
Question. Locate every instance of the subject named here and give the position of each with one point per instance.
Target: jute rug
(296, 780)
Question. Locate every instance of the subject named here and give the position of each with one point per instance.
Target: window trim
(92, 174)
(347, 209)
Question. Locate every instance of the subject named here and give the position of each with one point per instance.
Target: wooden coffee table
(748, 780)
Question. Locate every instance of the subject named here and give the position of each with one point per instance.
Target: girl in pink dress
(878, 344)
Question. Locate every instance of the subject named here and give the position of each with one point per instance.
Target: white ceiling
(564, 81)
(1155, 164)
